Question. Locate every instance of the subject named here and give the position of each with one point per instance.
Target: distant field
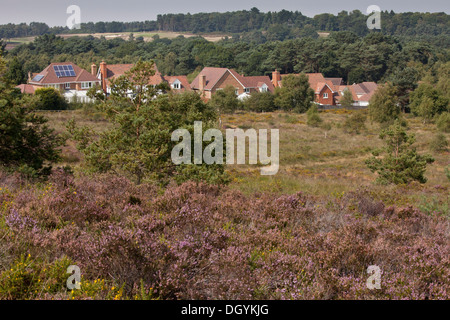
(313, 160)
(148, 36)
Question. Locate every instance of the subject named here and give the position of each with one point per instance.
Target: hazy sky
(53, 12)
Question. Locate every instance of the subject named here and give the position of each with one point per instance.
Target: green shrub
(50, 99)
(443, 122)
(29, 278)
(439, 143)
(260, 102)
(355, 123)
(313, 118)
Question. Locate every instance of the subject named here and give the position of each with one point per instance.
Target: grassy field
(316, 161)
(148, 36)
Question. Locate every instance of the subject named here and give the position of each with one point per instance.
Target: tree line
(276, 25)
(374, 57)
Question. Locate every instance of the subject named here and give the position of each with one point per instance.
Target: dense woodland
(258, 43)
(276, 25)
(374, 57)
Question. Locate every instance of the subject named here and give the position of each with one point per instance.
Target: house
(108, 72)
(210, 80)
(178, 83)
(329, 91)
(71, 80)
(325, 92)
(363, 92)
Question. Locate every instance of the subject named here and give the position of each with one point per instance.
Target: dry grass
(312, 160)
(324, 162)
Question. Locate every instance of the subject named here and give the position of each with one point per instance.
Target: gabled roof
(364, 90)
(258, 82)
(185, 86)
(335, 81)
(365, 87)
(213, 75)
(26, 88)
(316, 81)
(114, 71)
(49, 76)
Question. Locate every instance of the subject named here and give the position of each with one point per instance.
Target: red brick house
(107, 72)
(324, 88)
(71, 80)
(209, 80)
(329, 91)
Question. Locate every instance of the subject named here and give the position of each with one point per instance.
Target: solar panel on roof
(64, 71)
(37, 78)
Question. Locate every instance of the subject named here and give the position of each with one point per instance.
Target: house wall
(228, 79)
(328, 101)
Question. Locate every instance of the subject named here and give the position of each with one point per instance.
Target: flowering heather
(198, 241)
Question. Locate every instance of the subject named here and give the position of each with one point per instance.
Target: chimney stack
(103, 73)
(276, 78)
(202, 82)
(94, 69)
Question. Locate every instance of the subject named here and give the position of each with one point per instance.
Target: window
(247, 90)
(86, 85)
(176, 85)
(325, 95)
(67, 85)
(236, 91)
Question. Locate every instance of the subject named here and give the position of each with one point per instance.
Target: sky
(54, 12)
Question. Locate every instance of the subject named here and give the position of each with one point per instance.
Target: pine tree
(401, 163)
(27, 144)
(139, 144)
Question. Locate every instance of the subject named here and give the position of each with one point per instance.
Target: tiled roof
(49, 75)
(114, 71)
(257, 82)
(185, 86)
(212, 76)
(316, 81)
(335, 81)
(364, 90)
(26, 88)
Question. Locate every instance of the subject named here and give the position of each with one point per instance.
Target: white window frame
(67, 85)
(176, 85)
(247, 90)
(86, 85)
(325, 95)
